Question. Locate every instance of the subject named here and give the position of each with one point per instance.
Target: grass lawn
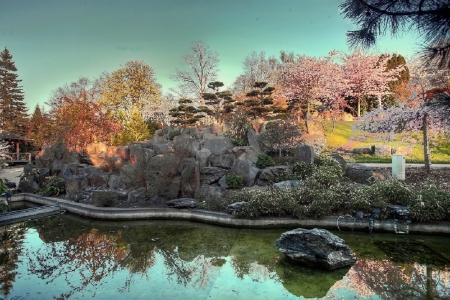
(344, 137)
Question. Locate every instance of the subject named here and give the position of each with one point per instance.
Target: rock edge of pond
(224, 219)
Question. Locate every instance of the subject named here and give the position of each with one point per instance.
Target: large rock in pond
(315, 248)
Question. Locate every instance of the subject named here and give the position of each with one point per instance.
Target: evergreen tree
(13, 111)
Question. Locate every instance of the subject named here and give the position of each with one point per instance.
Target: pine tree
(13, 111)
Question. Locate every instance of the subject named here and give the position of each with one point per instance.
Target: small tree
(280, 135)
(260, 102)
(219, 103)
(185, 114)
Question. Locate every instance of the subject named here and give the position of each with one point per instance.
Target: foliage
(302, 170)
(428, 17)
(134, 130)
(185, 114)
(174, 133)
(13, 110)
(429, 204)
(280, 135)
(53, 186)
(219, 103)
(264, 161)
(202, 65)
(237, 132)
(259, 100)
(235, 181)
(128, 88)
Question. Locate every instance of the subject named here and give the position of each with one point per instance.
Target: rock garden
(201, 168)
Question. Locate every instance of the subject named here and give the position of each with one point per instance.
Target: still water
(67, 257)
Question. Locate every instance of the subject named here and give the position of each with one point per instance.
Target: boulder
(273, 174)
(75, 185)
(202, 157)
(28, 184)
(59, 150)
(218, 144)
(361, 174)
(123, 152)
(315, 248)
(56, 167)
(136, 153)
(223, 182)
(115, 182)
(186, 142)
(340, 160)
(305, 153)
(99, 179)
(362, 150)
(253, 140)
(222, 160)
(190, 178)
(138, 195)
(287, 185)
(211, 192)
(182, 203)
(246, 152)
(210, 175)
(235, 207)
(107, 198)
(246, 169)
(44, 158)
(72, 158)
(315, 140)
(162, 148)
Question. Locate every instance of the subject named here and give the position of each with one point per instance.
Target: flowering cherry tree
(366, 75)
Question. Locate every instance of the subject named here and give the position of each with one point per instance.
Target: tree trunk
(358, 113)
(426, 145)
(308, 108)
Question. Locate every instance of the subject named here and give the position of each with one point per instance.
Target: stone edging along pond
(224, 219)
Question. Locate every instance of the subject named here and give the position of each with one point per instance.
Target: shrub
(174, 133)
(235, 181)
(429, 204)
(52, 186)
(302, 170)
(264, 161)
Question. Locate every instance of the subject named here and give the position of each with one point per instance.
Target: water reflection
(182, 260)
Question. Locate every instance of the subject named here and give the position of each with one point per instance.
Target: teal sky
(54, 42)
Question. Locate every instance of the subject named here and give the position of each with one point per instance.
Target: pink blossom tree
(366, 75)
(313, 83)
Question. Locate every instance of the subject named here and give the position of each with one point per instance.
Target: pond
(69, 257)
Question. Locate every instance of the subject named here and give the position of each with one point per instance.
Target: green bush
(264, 161)
(174, 133)
(52, 186)
(302, 170)
(429, 204)
(235, 181)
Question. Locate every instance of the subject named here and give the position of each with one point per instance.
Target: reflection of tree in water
(11, 241)
(400, 281)
(92, 256)
(197, 273)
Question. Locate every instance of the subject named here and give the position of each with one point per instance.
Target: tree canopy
(429, 18)
(13, 111)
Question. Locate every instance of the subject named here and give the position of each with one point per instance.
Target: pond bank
(224, 219)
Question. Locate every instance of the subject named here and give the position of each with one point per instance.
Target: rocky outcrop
(246, 169)
(273, 174)
(315, 248)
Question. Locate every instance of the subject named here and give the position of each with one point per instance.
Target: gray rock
(162, 148)
(202, 157)
(136, 153)
(287, 185)
(210, 192)
(107, 198)
(44, 158)
(186, 142)
(138, 195)
(28, 185)
(59, 150)
(115, 182)
(190, 178)
(218, 144)
(56, 167)
(363, 150)
(182, 203)
(253, 139)
(315, 248)
(235, 207)
(75, 185)
(273, 174)
(72, 158)
(173, 189)
(305, 153)
(246, 169)
(340, 160)
(210, 175)
(222, 160)
(99, 179)
(123, 152)
(246, 152)
(361, 174)
(223, 182)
